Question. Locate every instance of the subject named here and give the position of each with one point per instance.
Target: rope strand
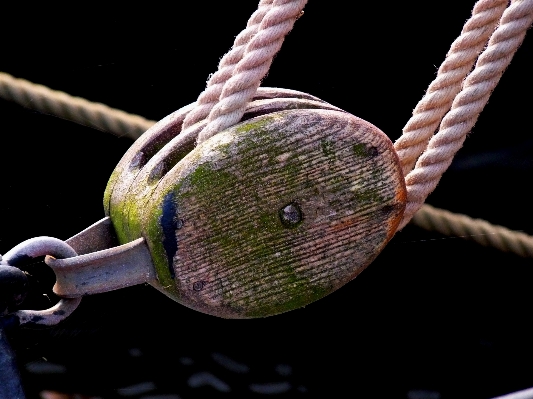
(478, 230)
(251, 56)
(467, 105)
(440, 94)
(209, 97)
(96, 115)
(427, 217)
(253, 67)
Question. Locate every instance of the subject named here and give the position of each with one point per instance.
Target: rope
(253, 67)
(209, 97)
(254, 49)
(460, 103)
(525, 394)
(439, 96)
(427, 217)
(467, 105)
(480, 231)
(76, 109)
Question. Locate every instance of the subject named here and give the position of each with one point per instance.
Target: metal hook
(97, 269)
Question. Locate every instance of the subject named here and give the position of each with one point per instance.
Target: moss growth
(120, 221)
(328, 149)
(236, 182)
(360, 150)
(133, 219)
(254, 124)
(204, 177)
(259, 240)
(154, 238)
(299, 301)
(109, 190)
(367, 196)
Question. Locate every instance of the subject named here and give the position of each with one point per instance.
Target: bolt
(291, 215)
(198, 286)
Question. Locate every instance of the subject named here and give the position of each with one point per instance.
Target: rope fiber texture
(438, 99)
(467, 105)
(253, 67)
(454, 99)
(428, 217)
(209, 97)
(440, 94)
(95, 115)
(478, 230)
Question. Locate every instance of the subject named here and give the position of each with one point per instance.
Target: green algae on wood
(235, 257)
(221, 205)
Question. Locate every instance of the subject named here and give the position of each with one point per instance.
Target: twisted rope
(441, 92)
(254, 65)
(427, 217)
(250, 59)
(480, 231)
(209, 97)
(467, 105)
(460, 103)
(76, 109)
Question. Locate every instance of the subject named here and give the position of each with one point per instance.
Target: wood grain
(232, 255)
(155, 153)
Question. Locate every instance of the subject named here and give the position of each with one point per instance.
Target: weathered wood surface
(267, 216)
(158, 150)
(159, 135)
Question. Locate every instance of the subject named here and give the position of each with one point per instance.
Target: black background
(431, 313)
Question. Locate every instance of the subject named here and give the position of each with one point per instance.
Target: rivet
(291, 215)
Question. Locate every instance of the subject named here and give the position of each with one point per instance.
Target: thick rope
(464, 110)
(467, 106)
(76, 109)
(440, 94)
(427, 217)
(260, 41)
(253, 67)
(209, 97)
(480, 231)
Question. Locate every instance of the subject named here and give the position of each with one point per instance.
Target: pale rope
(76, 109)
(209, 97)
(480, 231)
(525, 394)
(253, 67)
(86, 115)
(439, 96)
(506, 39)
(467, 106)
(427, 217)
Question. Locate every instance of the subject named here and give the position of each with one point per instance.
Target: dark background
(432, 316)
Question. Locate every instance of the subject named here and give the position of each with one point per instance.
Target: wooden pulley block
(267, 216)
